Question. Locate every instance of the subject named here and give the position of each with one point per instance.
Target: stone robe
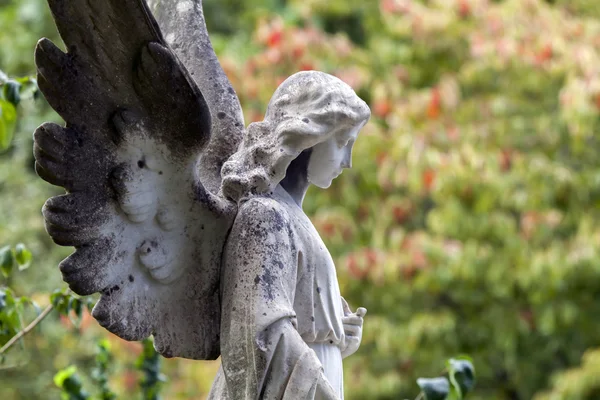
(281, 329)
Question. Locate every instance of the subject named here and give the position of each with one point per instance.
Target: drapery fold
(263, 354)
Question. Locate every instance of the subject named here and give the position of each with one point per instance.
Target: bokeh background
(469, 223)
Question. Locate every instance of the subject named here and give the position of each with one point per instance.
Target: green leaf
(434, 388)
(462, 374)
(12, 92)
(454, 394)
(8, 122)
(30, 88)
(64, 374)
(77, 307)
(7, 261)
(23, 256)
(60, 301)
(68, 380)
(104, 344)
(56, 297)
(25, 80)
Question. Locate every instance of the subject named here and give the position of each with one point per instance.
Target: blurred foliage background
(470, 222)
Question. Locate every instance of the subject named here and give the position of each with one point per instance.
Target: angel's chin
(324, 182)
(323, 185)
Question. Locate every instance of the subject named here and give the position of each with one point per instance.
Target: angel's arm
(264, 355)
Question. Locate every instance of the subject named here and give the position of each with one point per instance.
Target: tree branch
(28, 329)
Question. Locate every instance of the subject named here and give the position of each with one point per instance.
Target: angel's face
(329, 158)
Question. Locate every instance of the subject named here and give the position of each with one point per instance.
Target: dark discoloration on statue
(188, 225)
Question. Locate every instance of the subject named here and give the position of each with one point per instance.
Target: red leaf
(306, 66)
(298, 52)
(428, 178)
(389, 6)
(382, 108)
(464, 8)
(408, 272)
(328, 229)
(359, 269)
(544, 55)
(274, 38)
(434, 108)
(400, 213)
(506, 160)
(528, 317)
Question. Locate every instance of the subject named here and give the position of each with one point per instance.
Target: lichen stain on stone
(268, 280)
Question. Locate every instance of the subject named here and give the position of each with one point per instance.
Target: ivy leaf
(434, 388)
(7, 261)
(77, 307)
(30, 88)
(462, 374)
(56, 297)
(60, 301)
(23, 256)
(8, 122)
(89, 303)
(12, 92)
(454, 394)
(64, 374)
(69, 381)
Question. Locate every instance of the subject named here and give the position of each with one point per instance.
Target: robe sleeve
(263, 355)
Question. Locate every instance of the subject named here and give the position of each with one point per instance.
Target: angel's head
(310, 110)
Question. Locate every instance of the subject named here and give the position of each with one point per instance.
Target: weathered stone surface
(184, 28)
(285, 327)
(148, 234)
(190, 233)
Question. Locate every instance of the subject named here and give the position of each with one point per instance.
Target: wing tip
(111, 315)
(47, 54)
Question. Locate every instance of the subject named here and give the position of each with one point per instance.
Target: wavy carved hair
(306, 109)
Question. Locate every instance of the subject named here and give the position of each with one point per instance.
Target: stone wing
(148, 233)
(184, 28)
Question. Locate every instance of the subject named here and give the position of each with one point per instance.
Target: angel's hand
(353, 323)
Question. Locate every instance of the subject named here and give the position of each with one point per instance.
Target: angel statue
(189, 225)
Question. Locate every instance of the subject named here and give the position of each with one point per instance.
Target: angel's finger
(346, 307)
(352, 330)
(361, 312)
(352, 319)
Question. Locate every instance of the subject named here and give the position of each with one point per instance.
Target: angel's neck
(296, 178)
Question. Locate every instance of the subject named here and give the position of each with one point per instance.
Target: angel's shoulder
(265, 212)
